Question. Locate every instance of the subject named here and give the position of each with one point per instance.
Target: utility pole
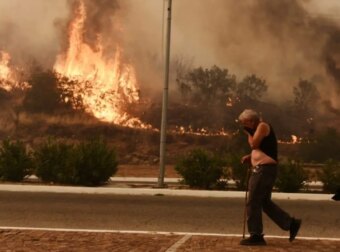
(165, 100)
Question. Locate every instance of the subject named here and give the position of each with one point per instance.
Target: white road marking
(157, 233)
(177, 244)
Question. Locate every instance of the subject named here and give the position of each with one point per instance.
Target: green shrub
(55, 162)
(330, 176)
(15, 161)
(200, 169)
(239, 171)
(95, 163)
(90, 164)
(291, 177)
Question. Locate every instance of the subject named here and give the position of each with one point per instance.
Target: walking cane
(245, 202)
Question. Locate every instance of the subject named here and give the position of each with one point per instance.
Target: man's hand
(249, 131)
(246, 159)
(262, 131)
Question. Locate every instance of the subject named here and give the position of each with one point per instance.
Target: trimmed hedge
(55, 162)
(89, 164)
(15, 161)
(330, 176)
(291, 177)
(239, 171)
(95, 163)
(200, 169)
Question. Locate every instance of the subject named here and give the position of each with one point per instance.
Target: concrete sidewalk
(146, 186)
(69, 241)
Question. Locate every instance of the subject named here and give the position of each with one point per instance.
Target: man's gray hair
(249, 114)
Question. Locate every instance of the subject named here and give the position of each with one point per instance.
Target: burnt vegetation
(204, 98)
(212, 98)
(204, 101)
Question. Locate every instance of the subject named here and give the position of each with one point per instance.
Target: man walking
(263, 158)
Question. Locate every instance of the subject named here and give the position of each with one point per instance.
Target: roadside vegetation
(93, 162)
(90, 163)
(201, 169)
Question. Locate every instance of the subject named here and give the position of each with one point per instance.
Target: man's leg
(261, 184)
(275, 213)
(254, 205)
(254, 210)
(280, 217)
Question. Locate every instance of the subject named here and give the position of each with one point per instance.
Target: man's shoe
(294, 229)
(336, 195)
(253, 240)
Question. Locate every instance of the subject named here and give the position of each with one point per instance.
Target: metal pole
(165, 100)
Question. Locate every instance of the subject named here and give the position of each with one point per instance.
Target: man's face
(248, 123)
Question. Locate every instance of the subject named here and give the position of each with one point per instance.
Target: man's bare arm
(261, 132)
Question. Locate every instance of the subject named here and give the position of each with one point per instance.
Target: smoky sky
(280, 41)
(277, 40)
(29, 29)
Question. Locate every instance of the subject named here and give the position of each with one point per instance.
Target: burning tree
(5, 71)
(44, 95)
(100, 80)
(9, 76)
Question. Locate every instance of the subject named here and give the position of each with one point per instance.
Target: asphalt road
(156, 213)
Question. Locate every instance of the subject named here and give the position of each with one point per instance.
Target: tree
(44, 96)
(206, 86)
(68, 96)
(306, 97)
(4, 96)
(251, 88)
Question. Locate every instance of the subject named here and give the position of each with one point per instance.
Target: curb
(155, 192)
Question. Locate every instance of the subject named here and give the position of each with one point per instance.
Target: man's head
(249, 118)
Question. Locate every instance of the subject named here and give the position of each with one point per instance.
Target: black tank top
(269, 144)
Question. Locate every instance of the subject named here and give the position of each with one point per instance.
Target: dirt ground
(145, 171)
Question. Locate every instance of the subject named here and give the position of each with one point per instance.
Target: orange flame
(10, 76)
(199, 132)
(7, 81)
(294, 140)
(103, 85)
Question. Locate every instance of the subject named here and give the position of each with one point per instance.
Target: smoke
(30, 29)
(277, 40)
(142, 28)
(280, 41)
(101, 23)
